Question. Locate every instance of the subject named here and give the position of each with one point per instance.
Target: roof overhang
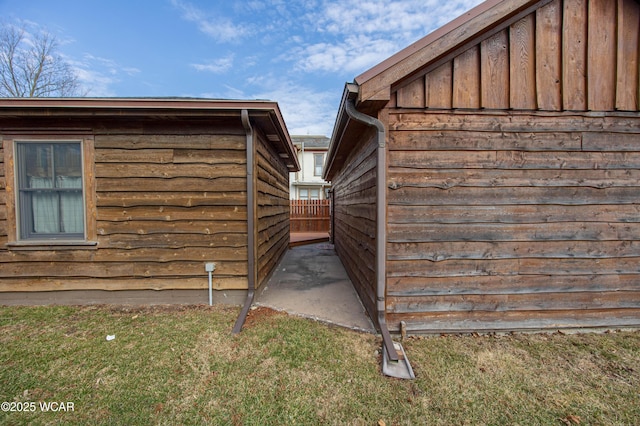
(266, 115)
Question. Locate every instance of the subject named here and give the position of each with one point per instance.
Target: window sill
(52, 245)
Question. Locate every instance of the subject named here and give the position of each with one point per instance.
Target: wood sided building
(126, 200)
(488, 176)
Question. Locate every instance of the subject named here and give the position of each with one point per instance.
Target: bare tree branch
(31, 66)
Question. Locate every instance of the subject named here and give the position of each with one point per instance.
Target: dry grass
(181, 365)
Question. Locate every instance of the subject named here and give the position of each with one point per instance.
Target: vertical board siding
(568, 55)
(574, 55)
(272, 209)
(522, 65)
(355, 220)
(439, 86)
(167, 203)
(549, 56)
(601, 55)
(495, 69)
(466, 79)
(413, 95)
(512, 220)
(628, 67)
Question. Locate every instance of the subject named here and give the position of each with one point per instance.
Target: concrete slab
(304, 238)
(310, 281)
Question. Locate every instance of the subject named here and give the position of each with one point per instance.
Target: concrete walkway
(310, 281)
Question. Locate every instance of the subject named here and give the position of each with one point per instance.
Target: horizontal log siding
(167, 202)
(513, 220)
(355, 220)
(272, 209)
(3, 202)
(569, 55)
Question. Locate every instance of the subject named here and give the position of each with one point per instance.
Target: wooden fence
(310, 215)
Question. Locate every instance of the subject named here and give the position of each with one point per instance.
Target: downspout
(251, 258)
(381, 224)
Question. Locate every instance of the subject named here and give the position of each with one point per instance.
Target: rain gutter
(381, 223)
(251, 255)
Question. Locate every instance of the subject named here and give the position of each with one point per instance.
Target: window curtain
(71, 204)
(46, 215)
(47, 212)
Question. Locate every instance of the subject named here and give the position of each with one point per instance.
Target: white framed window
(52, 199)
(318, 162)
(309, 193)
(49, 190)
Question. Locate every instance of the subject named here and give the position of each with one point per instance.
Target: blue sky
(299, 53)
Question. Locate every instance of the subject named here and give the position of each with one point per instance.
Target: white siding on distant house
(307, 184)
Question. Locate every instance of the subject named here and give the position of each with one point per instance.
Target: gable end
(573, 55)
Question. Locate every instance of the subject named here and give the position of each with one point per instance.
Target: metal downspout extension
(381, 224)
(250, 226)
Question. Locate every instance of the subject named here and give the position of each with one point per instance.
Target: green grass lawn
(181, 365)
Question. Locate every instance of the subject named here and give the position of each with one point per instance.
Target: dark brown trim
(381, 223)
(138, 103)
(252, 268)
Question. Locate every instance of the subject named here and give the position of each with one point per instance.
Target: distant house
(488, 176)
(307, 184)
(127, 200)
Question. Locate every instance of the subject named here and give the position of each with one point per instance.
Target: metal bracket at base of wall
(400, 369)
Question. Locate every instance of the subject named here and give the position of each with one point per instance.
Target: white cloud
(336, 36)
(217, 66)
(229, 92)
(220, 28)
(364, 33)
(97, 75)
(131, 71)
(397, 18)
(95, 83)
(353, 54)
(305, 110)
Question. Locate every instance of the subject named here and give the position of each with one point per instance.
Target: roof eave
(342, 119)
(288, 151)
(267, 111)
(136, 103)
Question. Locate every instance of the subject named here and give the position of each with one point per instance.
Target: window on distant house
(318, 161)
(309, 193)
(50, 202)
